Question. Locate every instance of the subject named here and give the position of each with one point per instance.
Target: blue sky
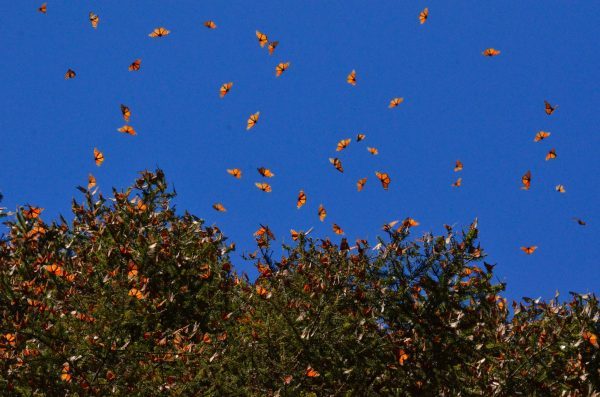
(458, 105)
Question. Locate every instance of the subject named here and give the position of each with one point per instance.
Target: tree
(131, 298)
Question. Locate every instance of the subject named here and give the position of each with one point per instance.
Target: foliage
(131, 298)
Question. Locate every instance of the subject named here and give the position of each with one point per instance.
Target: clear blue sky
(458, 105)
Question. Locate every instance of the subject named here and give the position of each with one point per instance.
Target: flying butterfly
(43, 8)
(383, 178)
(322, 212)
(526, 180)
(262, 38)
(301, 199)
(395, 102)
(373, 151)
(409, 222)
(423, 15)
(282, 67)
(457, 183)
(361, 184)
(337, 163)
(127, 129)
(91, 181)
(337, 229)
(94, 19)
(551, 154)
(219, 207)
(225, 88)
(549, 108)
(581, 222)
(126, 112)
(98, 157)
(70, 74)
(135, 65)
(560, 189)
(272, 46)
(490, 52)
(343, 144)
(265, 187)
(529, 250)
(235, 172)
(360, 137)
(210, 24)
(265, 172)
(458, 166)
(351, 79)
(540, 136)
(159, 32)
(252, 120)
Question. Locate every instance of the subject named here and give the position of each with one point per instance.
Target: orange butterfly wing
(361, 184)
(235, 172)
(301, 199)
(94, 20)
(225, 88)
(351, 79)
(551, 154)
(98, 157)
(262, 38)
(126, 112)
(135, 65)
(70, 74)
(322, 212)
(343, 144)
(272, 46)
(127, 129)
(383, 178)
(458, 166)
(423, 15)
(210, 24)
(252, 120)
(337, 163)
(282, 67)
(491, 52)
(337, 229)
(540, 136)
(526, 180)
(159, 32)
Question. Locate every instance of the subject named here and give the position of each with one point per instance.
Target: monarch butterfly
(402, 356)
(351, 79)
(140, 206)
(262, 291)
(210, 24)
(125, 112)
(458, 166)
(264, 230)
(343, 144)
(54, 269)
(337, 163)
(360, 137)
(282, 67)
(11, 339)
(294, 234)
(490, 52)
(322, 212)
(560, 189)
(252, 120)
(91, 181)
(580, 221)
(301, 199)
(42, 8)
(65, 373)
(272, 46)
(373, 151)
(361, 184)
(225, 88)
(159, 32)
(135, 65)
(549, 108)
(265, 172)
(265, 187)
(410, 222)
(551, 154)
(591, 338)
(311, 372)
(457, 183)
(219, 207)
(70, 74)
(529, 250)
(127, 129)
(136, 293)
(423, 15)
(395, 102)
(337, 229)
(236, 173)
(540, 136)
(32, 212)
(98, 157)
(262, 38)
(526, 180)
(94, 19)
(389, 226)
(383, 178)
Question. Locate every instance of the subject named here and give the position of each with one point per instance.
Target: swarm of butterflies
(383, 177)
